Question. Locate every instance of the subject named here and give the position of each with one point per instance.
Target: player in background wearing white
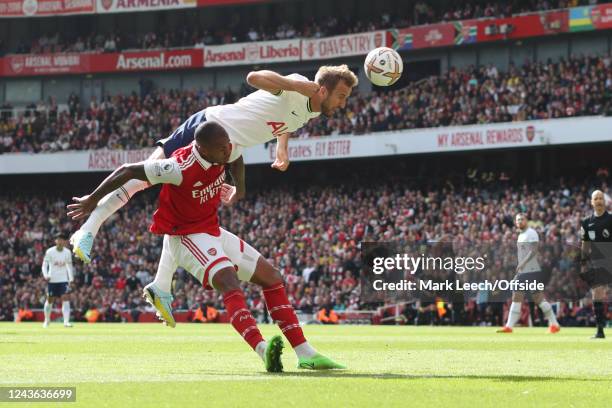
(282, 105)
(57, 270)
(528, 269)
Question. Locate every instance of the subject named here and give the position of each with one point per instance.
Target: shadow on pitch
(393, 376)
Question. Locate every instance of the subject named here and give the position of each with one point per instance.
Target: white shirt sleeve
(166, 171)
(533, 236)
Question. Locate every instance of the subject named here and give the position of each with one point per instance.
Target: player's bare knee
(538, 298)
(226, 280)
(265, 274)
(517, 297)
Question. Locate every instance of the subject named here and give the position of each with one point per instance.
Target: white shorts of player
(203, 255)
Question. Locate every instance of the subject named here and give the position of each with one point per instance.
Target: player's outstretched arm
(281, 162)
(274, 83)
(86, 204)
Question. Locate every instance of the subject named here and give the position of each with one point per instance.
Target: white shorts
(203, 255)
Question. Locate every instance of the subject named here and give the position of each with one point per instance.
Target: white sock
(164, 275)
(66, 311)
(305, 350)
(47, 310)
(260, 349)
(111, 203)
(514, 314)
(548, 313)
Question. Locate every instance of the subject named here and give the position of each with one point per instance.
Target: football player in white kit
(528, 269)
(57, 270)
(281, 105)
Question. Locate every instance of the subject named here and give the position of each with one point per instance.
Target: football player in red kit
(193, 181)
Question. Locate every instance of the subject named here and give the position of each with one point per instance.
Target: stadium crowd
(314, 241)
(577, 86)
(233, 27)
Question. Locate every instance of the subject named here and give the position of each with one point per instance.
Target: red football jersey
(190, 196)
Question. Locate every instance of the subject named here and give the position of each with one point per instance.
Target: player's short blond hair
(329, 76)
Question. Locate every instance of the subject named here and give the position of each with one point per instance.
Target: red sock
(241, 318)
(282, 312)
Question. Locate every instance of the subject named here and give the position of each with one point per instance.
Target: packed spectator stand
(314, 241)
(233, 27)
(579, 86)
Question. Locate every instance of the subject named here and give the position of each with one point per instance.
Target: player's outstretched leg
(82, 240)
(226, 281)
(283, 313)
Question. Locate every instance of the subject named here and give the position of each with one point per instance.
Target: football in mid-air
(383, 66)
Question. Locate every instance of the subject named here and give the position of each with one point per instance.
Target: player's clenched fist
(281, 162)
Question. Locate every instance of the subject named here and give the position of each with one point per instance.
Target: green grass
(149, 365)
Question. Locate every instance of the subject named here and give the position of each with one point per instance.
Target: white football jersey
(526, 242)
(58, 265)
(261, 116)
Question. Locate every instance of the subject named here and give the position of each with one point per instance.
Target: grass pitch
(149, 365)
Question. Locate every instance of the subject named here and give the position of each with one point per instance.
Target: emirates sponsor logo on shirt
(210, 191)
